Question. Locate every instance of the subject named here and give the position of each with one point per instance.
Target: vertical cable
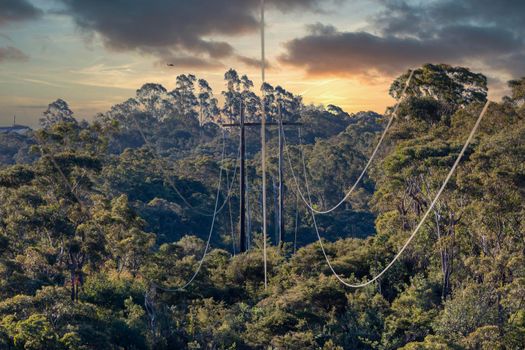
(231, 216)
(296, 223)
(276, 233)
(296, 195)
(263, 146)
(281, 179)
(249, 216)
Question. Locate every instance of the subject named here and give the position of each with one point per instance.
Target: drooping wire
(296, 223)
(249, 216)
(230, 188)
(83, 209)
(421, 222)
(231, 217)
(212, 226)
(311, 206)
(275, 210)
(280, 198)
(170, 180)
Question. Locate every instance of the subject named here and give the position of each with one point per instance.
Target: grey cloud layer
(174, 30)
(402, 34)
(487, 32)
(17, 10)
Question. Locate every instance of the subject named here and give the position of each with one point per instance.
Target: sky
(97, 53)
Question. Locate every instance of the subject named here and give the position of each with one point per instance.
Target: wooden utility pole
(243, 240)
(281, 180)
(242, 125)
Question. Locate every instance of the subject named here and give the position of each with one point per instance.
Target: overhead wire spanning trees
(417, 228)
(170, 181)
(306, 198)
(210, 233)
(216, 211)
(213, 215)
(263, 124)
(347, 195)
(311, 206)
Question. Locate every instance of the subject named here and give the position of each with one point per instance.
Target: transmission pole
(281, 179)
(242, 172)
(242, 184)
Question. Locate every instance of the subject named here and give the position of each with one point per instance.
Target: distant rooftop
(16, 128)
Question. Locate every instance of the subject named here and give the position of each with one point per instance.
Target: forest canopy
(101, 223)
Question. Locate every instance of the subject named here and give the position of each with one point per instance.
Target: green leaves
(34, 333)
(460, 285)
(457, 86)
(16, 176)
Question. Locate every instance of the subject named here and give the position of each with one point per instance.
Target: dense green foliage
(91, 228)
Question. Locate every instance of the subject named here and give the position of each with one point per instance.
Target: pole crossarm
(260, 124)
(242, 124)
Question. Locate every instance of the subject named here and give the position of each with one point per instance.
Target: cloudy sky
(95, 53)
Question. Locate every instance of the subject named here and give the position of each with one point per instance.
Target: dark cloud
(17, 10)
(174, 28)
(12, 54)
(253, 62)
(399, 17)
(481, 32)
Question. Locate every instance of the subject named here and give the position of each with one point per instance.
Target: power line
(212, 226)
(296, 223)
(231, 218)
(370, 160)
(249, 216)
(421, 222)
(170, 181)
(216, 210)
(172, 184)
